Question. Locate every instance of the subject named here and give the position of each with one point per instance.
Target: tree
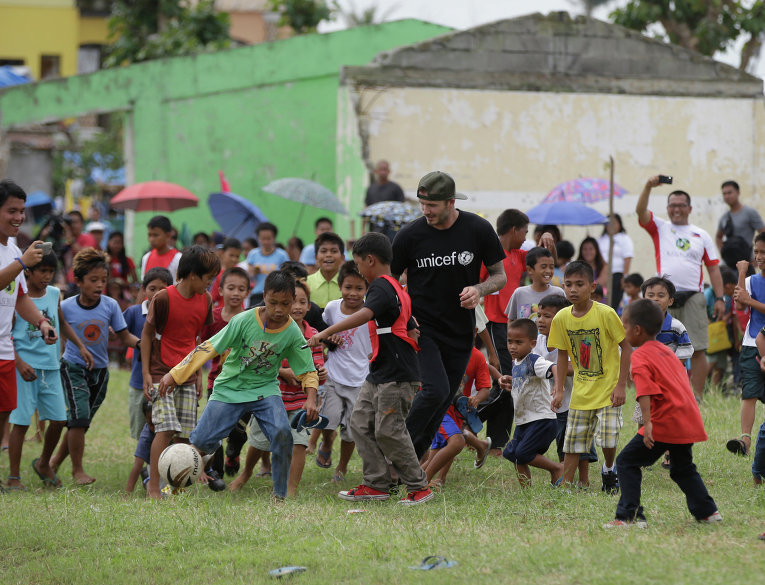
(141, 30)
(303, 16)
(705, 26)
(589, 6)
(368, 16)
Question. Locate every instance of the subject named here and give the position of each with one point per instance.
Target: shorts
(84, 391)
(145, 439)
(338, 406)
(46, 394)
(562, 417)
(176, 411)
(446, 431)
(693, 314)
(7, 385)
(752, 377)
(583, 424)
(257, 440)
(531, 439)
(718, 360)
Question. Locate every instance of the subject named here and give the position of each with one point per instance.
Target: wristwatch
(720, 299)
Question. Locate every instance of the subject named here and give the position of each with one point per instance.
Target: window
(50, 66)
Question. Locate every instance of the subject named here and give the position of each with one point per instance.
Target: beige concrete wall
(508, 149)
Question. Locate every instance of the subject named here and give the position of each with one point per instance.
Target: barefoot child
(258, 340)
(378, 420)
(672, 421)
(536, 425)
(347, 368)
(156, 279)
(38, 376)
(177, 315)
(294, 399)
(90, 314)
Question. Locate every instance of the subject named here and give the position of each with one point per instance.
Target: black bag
(734, 247)
(681, 297)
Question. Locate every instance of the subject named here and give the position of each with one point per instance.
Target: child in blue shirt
(90, 314)
(37, 377)
(155, 280)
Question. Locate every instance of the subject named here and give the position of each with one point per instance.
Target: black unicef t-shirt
(439, 264)
(396, 360)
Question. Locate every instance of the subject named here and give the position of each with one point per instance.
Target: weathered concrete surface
(555, 53)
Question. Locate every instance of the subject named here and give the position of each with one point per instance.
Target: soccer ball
(180, 465)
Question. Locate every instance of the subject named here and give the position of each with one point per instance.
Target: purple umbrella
(584, 190)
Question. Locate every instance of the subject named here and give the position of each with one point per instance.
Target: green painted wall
(258, 113)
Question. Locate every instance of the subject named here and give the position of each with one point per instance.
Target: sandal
(478, 463)
(737, 446)
(53, 482)
(338, 477)
(326, 455)
(15, 488)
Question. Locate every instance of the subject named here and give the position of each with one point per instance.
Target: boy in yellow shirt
(592, 334)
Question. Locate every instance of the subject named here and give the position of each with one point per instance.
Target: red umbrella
(154, 196)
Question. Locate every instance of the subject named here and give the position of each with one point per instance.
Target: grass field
(497, 532)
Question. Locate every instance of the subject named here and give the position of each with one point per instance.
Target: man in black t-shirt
(383, 189)
(442, 254)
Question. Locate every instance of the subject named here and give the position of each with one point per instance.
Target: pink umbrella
(583, 190)
(154, 196)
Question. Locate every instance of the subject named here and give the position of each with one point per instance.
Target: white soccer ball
(180, 465)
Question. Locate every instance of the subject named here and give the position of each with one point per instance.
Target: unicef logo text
(433, 261)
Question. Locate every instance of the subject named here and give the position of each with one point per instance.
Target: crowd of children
(332, 351)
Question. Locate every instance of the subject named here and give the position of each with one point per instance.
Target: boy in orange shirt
(672, 421)
(162, 253)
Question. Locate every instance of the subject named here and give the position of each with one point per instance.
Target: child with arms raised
(378, 420)
(592, 333)
(672, 421)
(90, 315)
(248, 383)
(536, 425)
(38, 375)
(176, 318)
(295, 400)
(347, 368)
(156, 279)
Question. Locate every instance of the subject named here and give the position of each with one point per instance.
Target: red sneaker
(417, 497)
(361, 493)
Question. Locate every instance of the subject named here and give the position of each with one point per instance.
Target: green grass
(497, 532)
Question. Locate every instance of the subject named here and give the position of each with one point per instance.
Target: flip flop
(469, 414)
(298, 423)
(326, 455)
(479, 462)
(15, 488)
(285, 571)
(434, 562)
(737, 447)
(47, 481)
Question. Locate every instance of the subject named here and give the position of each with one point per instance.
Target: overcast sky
(463, 14)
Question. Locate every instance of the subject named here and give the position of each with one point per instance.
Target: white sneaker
(713, 519)
(639, 523)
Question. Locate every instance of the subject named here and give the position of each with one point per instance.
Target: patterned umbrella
(391, 214)
(584, 190)
(306, 192)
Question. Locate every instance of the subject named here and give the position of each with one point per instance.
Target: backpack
(734, 247)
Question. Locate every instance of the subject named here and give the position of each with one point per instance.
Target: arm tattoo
(494, 282)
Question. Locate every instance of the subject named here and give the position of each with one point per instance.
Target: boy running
(524, 302)
(672, 421)
(162, 253)
(378, 419)
(592, 334)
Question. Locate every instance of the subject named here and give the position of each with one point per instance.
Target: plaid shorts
(177, 411)
(582, 426)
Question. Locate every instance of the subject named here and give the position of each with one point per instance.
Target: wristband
(720, 299)
(23, 266)
(43, 318)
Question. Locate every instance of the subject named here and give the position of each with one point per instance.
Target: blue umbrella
(238, 217)
(565, 213)
(36, 198)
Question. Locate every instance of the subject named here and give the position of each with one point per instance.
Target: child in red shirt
(672, 421)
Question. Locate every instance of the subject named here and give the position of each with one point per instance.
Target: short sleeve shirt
(251, 369)
(396, 360)
(349, 363)
(675, 415)
(495, 303)
(323, 290)
(532, 389)
(744, 222)
(8, 297)
(477, 376)
(524, 304)
(91, 325)
(135, 317)
(439, 265)
(592, 342)
(267, 264)
(28, 340)
(623, 248)
(674, 335)
(680, 251)
(388, 191)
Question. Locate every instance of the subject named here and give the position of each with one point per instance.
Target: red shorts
(7, 385)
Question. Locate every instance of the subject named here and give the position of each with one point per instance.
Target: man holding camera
(681, 250)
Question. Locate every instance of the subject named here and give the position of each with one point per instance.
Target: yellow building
(53, 38)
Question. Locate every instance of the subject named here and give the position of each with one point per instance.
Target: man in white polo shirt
(681, 250)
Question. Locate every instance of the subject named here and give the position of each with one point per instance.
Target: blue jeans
(219, 418)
